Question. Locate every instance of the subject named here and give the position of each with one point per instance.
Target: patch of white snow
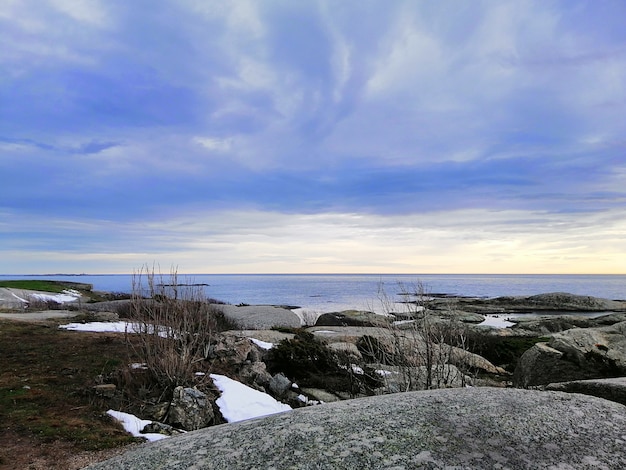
(66, 296)
(239, 402)
(262, 344)
(134, 425)
(496, 321)
(103, 327)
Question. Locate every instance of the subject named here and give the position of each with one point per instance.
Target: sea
(336, 292)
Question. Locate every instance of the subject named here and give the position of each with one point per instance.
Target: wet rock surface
(459, 428)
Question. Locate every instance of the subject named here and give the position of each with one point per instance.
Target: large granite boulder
(576, 354)
(190, 409)
(455, 428)
(469, 361)
(260, 317)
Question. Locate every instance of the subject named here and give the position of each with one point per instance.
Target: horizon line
(324, 274)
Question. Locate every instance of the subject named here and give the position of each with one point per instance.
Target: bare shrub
(175, 325)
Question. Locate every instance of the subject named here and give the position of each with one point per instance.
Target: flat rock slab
(454, 428)
(609, 389)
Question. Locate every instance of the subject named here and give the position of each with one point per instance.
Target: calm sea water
(333, 292)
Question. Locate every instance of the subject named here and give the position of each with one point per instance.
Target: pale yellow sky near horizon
(256, 242)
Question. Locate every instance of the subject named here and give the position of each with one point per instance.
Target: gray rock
(320, 395)
(190, 409)
(334, 334)
(269, 336)
(279, 385)
(550, 302)
(255, 374)
(160, 428)
(260, 317)
(466, 360)
(576, 354)
(351, 318)
(546, 325)
(231, 350)
(609, 389)
(457, 428)
(537, 366)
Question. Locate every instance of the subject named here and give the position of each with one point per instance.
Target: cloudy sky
(279, 136)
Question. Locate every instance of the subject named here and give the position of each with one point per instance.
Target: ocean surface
(335, 292)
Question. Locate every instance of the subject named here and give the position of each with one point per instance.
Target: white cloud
(214, 143)
(87, 11)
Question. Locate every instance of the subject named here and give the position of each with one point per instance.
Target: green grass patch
(42, 285)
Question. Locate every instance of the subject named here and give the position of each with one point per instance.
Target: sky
(318, 136)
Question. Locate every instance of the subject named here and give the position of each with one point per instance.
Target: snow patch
(103, 327)
(262, 344)
(134, 425)
(239, 402)
(68, 295)
(117, 327)
(496, 321)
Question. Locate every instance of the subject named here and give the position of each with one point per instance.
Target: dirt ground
(25, 452)
(49, 416)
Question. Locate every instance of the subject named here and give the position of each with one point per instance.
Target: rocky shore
(568, 343)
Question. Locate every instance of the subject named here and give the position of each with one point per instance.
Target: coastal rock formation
(456, 428)
(576, 354)
(550, 302)
(260, 317)
(546, 325)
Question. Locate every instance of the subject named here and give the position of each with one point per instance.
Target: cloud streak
(152, 124)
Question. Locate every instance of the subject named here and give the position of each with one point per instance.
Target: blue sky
(313, 136)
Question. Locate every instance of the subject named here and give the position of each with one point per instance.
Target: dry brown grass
(49, 415)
